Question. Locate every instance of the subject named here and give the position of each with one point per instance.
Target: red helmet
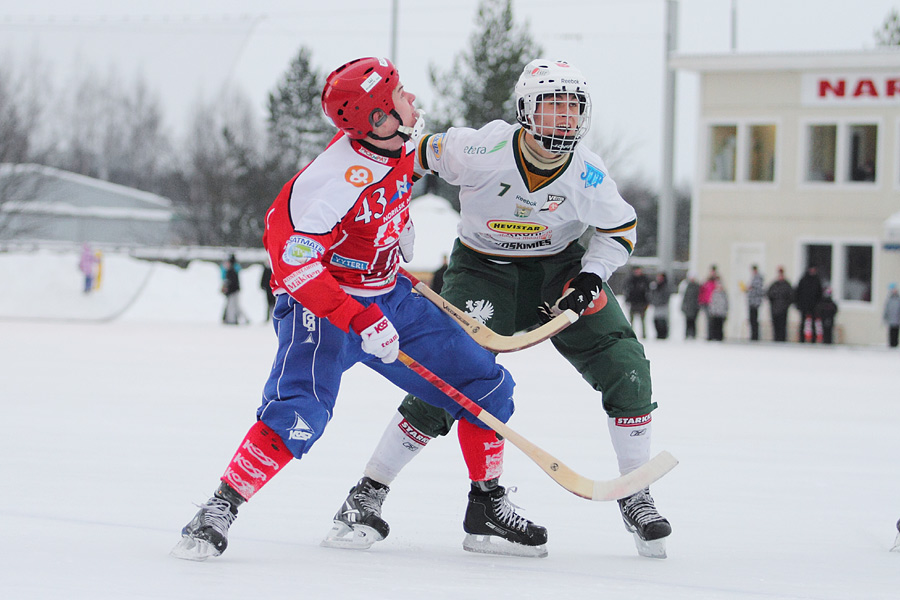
(358, 96)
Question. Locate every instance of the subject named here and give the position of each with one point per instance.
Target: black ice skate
(493, 526)
(648, 527)
(358, 523)
(207, 533)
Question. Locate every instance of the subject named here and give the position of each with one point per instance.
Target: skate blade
(896, 547)
(491, 544)
(193, 549)
(650, 549)
(358, 537)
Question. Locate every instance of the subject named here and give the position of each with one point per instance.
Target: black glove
(583, 289)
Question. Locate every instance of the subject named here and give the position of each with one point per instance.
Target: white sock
(631, 440)
(399, 443)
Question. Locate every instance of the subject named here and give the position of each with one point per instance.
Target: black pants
(754, 322)
(690, 328)
(662, 328)
(779, 327)
(893, 335)
(716, 329)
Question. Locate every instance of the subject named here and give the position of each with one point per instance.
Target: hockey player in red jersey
(334, 236)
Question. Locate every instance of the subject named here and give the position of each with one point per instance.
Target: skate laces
(371, 499)
(640, 508)
(506, 510)
(217, 514)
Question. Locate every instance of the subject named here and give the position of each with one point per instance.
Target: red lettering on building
(865, 87)
(837, 88)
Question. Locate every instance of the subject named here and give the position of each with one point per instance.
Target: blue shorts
(299, 396)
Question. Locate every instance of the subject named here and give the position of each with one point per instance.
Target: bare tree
(106, 131)
(210, 188)
(19, 117)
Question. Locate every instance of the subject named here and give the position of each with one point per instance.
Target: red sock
(482, 451)
(260, 456)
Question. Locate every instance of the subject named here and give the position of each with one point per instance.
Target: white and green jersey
(501, 216)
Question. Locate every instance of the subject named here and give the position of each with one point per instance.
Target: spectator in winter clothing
(231, 288)
(705, 295)
(637, 290)
(781, 296)
(892, 315)
(756, 292)
(659, 297)
(718, 312)
(87, 266)
(825, 311)
(809, 292)
(690, 306)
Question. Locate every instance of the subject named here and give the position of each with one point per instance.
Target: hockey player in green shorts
(528, 192)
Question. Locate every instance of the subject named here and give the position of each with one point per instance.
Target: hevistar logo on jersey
(515, 228)
(359, 176)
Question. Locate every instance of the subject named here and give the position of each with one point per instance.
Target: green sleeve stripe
(621, 228)
(420, 151)
(625, 242)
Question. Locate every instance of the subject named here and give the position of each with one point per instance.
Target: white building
(799, 165)
(39, 203)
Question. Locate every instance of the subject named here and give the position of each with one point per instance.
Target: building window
(858, 273)
(761, 165)
(863, 146)
(841, 153)
(822, 146)
(723, 146)
(819, 256)
(740, 152)
(846, 268)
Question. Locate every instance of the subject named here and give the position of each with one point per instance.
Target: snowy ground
(112, 428)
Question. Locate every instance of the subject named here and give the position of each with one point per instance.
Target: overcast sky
(192, 49)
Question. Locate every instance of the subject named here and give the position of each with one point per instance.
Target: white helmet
(541, 77)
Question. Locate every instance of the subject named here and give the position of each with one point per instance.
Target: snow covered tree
(479, 86)
(889, 33)
(298, 129)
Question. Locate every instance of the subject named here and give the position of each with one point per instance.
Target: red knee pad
(259, 457)
(482, 451)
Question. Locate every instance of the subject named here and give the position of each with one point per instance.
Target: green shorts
(505, 294)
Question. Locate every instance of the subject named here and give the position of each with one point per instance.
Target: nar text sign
(851, 89)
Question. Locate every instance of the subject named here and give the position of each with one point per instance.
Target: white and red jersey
(334, 229)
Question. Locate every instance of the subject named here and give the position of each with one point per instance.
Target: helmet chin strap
(404, 132)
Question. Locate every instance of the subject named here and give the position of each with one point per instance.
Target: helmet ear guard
(358, 97)
(541, 78)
